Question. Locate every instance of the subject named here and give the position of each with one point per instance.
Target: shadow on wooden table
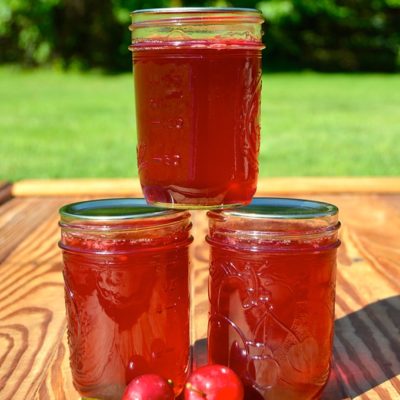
(366, 353)
(367, 347)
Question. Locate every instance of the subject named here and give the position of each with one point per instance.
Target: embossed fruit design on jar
(272, 294)
(197, 74)
(126, 292)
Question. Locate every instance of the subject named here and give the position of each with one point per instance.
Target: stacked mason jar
(197, 75)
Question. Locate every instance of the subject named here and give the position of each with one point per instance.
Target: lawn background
(55, 124)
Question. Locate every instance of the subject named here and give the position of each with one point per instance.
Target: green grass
(82, 125)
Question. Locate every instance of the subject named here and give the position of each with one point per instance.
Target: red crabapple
(214, 382)
(148, 387)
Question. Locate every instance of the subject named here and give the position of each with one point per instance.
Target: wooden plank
(332, 185)
(58, 383)
(367, 340)
(266, 186)
(5, 191)
(18, 218)
(367, 298)
(367, 347)
(32, 315)
(78, 187)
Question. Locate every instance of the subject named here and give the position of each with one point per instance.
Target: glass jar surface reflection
(126, 293)
(272, 294)
(197, 74)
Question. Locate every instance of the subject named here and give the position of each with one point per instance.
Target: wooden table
(33, 349)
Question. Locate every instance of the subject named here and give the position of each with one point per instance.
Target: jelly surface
(198, 124)
(128, 314)
(271, 317)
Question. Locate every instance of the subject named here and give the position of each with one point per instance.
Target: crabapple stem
(189, 386)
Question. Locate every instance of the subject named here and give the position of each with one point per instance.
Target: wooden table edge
(266, 186)
(5, 191)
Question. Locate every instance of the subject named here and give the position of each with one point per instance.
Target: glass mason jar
(197, 74)
(126, 292)
(272, 295)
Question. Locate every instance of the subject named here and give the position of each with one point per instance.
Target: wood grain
(18, 218)
(329, 185)
(368, 297)
(367, 342)
(5, 191)
(32, 316)
(78, 187)
(58, 381)
(266, 186)
(33, 349)
(367, 339)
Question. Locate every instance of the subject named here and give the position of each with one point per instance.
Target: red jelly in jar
(126, 291)
(197, 74)
(272, 294)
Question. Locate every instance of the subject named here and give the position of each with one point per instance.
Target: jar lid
(113, 209)
(281, 208)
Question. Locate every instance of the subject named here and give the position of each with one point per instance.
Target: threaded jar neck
(110, 226)
(276, 224)
(196, 27)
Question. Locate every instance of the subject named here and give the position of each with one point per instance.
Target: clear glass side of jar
(197, 27)
(126, 271)
(256, 228)
(272, 295)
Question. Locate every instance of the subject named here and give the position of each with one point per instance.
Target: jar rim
(279, 208)
(189, 10)
(187, 16)
(115, 209)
